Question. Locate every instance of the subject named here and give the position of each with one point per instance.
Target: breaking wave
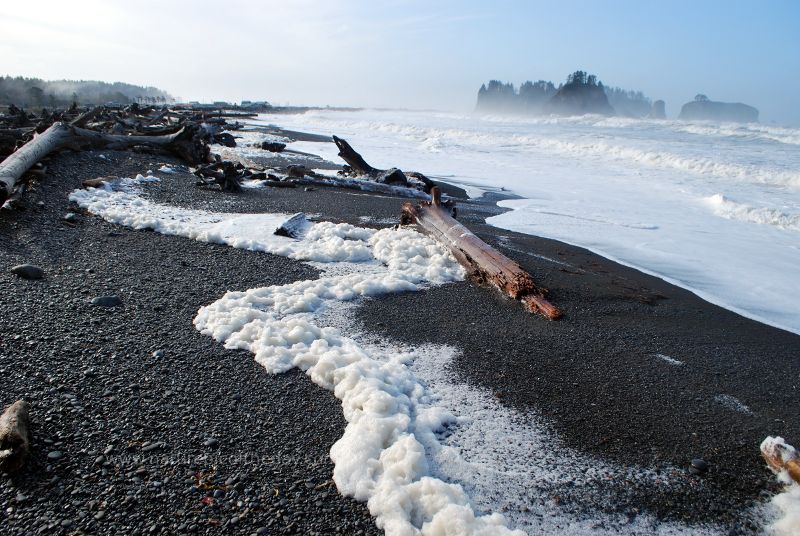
(728, 208)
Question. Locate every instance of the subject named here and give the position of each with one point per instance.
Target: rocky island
(703, 108)
(582, 93)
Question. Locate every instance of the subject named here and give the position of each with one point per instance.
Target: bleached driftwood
(484, 264)
(183, 144)
(781, 457)
(15, 437)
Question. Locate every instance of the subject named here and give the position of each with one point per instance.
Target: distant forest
(35, 92)
(537, 97)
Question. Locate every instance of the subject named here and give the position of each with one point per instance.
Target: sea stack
(582, 94)
(702, 108)
(658, 110)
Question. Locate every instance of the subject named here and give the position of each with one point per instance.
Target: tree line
(35, 92)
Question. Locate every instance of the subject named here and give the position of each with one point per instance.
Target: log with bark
(15, 437)
(484, 264)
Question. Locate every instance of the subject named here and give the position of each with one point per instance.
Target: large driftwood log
(15, 437)
(484, 264)
(185, 144)
(13, 167)
(781, 457)
(353, 159)
(385, 176)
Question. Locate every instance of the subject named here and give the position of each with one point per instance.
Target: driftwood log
(358, 166)
(484, 264)
(781, 457)
(185, 143)
(15, 437)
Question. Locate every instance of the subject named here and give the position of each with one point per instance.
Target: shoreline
(616, 295)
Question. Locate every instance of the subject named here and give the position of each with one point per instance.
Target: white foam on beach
(429, 455)
(507, 461)
(120, 203)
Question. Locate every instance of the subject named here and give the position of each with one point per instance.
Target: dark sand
(93, 382)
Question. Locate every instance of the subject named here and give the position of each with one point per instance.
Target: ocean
(713, 208)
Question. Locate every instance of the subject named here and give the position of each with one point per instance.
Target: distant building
(255, 105)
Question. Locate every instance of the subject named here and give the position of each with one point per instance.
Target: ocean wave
(441, 139)
(732, 210)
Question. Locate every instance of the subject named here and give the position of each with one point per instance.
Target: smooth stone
(71, 217)
(158, 354)
(106, 301)
(54, 455)
(698, 466)
(28, 271)
(211, 442)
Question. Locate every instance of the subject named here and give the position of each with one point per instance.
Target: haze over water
(714, 208)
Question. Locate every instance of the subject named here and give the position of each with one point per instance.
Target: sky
(413, 54)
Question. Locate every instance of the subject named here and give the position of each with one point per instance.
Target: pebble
(71, 217)
(28, 271)
(699, 466)
(106, 301)
(54, 455)
(211, 442)
(158, 354)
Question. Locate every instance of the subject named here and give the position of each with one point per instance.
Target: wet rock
(211, 442)
(54, 455)
(71, 217)
(28, 271)
(297, 171)
(273, 146)
(392, 176)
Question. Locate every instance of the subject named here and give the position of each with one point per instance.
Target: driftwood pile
(25, 138)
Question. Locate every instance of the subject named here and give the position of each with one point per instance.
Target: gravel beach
(143, 425)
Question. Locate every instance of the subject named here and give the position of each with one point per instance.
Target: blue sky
(413, 54)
